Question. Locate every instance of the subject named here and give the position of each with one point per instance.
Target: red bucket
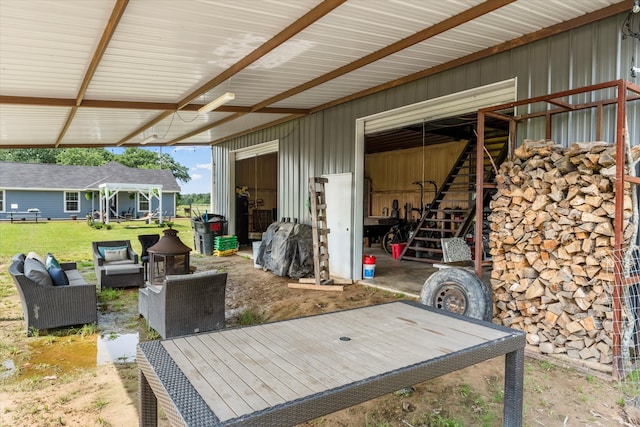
(396, 249)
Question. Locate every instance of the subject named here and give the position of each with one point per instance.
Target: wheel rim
(451, 297)
(386, 242)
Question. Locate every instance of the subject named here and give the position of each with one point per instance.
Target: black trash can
(205, 229)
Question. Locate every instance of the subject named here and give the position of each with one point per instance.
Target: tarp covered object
(301, 245)
(287, 250)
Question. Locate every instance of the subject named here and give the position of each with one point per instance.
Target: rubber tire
(387, 240)
(458, 284)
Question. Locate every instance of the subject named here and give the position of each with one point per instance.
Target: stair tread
(462, 174)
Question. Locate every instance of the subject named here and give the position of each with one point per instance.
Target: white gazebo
(109, 190)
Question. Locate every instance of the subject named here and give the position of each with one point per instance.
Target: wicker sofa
(48, 306)
(185, 304)
(120, 270)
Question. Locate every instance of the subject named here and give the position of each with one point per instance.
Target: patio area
(90, 379)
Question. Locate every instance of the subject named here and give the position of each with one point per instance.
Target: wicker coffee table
(288, 372)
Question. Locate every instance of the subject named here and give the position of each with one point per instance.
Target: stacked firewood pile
(551, 240)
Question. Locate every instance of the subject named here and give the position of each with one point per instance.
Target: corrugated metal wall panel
(324, 142)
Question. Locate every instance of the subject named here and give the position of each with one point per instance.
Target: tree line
(132, 157)
(194, 199)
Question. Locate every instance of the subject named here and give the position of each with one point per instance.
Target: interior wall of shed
(259, 175)
(391, 175)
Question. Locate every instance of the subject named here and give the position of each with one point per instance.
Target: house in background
(62, 191)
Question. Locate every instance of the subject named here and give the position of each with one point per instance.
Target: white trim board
(455, 104)
(257, 150)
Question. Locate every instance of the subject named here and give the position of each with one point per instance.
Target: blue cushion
(101, 249)
(51, 261)
(58, 276)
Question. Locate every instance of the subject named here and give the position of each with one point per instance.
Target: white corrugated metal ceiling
(111, 72)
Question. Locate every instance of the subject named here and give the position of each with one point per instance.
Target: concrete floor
(391, 274)
(405, 277)
(395, 275)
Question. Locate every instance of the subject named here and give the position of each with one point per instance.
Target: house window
(143, 203)
(72, 201)
(1, 200)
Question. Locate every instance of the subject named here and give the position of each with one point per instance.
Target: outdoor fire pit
(168, 257)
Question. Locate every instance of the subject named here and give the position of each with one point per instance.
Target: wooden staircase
(452, 211)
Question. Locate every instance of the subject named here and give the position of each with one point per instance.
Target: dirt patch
(107, 395)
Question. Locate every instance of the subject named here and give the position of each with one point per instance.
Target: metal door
(339, 198)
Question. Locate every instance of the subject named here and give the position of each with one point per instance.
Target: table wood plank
(241, 397)
(250, 371)
(301, 351)
(305, 366)
(288, 372)
(332, 353)
(242, 371)
(203, 380)
(366, 341)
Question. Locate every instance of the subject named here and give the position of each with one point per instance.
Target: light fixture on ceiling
(631, 28)
(221, 100)
(149, 139)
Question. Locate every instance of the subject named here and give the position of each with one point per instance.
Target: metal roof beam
(112, 24)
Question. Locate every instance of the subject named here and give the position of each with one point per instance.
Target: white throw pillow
(36, 256)
(115, 255)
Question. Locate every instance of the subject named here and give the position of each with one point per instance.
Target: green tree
(84, 156)
(139, 158)
(196, 199)
(132, 157)
(29, 155)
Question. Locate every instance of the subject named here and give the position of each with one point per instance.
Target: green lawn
(195, 210)
(71, 240)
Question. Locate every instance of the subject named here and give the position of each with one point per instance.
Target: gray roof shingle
(45, 176)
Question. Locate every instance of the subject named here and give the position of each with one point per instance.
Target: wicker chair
(121, 273)
(185, 304)
(146, 241)
(47, 307)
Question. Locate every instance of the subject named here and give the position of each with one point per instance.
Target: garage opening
(425, 169)
(256, 191)
(417, 172)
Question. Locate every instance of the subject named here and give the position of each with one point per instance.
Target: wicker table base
(285, 373)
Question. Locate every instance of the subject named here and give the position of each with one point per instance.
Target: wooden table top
(243, 370)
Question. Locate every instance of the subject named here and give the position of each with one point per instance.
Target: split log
(552, 228)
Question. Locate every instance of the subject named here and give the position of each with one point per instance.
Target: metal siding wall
(339, 131)
(580, 125)
(558, 75)
(614, 62)
(324, 142)
(219, 173)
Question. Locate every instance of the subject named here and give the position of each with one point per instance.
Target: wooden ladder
(319, 230)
